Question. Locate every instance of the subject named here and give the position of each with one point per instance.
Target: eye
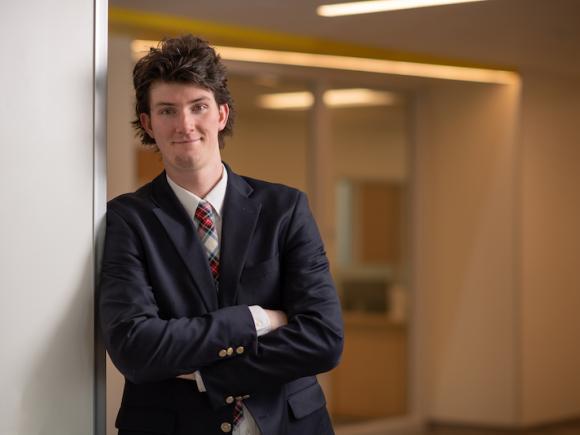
(198, 108)
(166, 111)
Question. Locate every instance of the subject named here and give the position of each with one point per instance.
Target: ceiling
(530, 35)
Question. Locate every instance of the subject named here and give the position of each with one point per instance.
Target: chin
(186, 162)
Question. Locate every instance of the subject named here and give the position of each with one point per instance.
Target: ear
(145, 120)
(224, 110)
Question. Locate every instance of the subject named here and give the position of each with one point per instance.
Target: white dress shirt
(215, 197)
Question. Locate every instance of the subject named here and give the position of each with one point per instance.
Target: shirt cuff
(261, 320)
(199, 381)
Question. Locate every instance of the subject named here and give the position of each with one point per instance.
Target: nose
(185, 122)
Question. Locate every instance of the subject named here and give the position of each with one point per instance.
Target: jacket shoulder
(268, 189)
(132, 201)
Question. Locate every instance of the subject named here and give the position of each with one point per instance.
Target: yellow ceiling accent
(147, 25)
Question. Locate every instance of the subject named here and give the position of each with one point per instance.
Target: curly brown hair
(186, 59)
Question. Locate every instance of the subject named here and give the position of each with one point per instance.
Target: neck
(199, 182)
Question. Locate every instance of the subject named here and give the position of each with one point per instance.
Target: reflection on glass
(268, 144)
(370, 173)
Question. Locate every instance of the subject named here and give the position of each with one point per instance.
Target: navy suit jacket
(161, 315)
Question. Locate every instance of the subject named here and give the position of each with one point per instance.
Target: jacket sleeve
(311, 342)
(144, 346)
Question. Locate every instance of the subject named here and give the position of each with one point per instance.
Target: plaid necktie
(208, 236)
(238, 412)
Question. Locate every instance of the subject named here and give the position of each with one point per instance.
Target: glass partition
(370, 175)
(270, 140)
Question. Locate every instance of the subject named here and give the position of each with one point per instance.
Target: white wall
(550, 247)
(46, 224)
(498, 243)
(466, 252)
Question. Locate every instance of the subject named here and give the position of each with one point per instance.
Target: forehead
(177, 93)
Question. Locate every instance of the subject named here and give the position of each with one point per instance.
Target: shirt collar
(190, 201)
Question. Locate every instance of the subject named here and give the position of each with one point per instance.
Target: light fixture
(286, 100)
(372, 6)
(348, 63)
(357, 97)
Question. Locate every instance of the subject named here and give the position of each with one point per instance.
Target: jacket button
(230, 400)
(230, 351)
(223, 353)
(226, 427)
(240, 350)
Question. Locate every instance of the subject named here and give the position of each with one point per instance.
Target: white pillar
(47, 132)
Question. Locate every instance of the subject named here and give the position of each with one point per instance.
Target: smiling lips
(187, 141)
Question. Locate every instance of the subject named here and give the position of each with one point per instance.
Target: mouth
(188, 141)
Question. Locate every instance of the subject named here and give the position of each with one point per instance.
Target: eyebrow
(165, 104)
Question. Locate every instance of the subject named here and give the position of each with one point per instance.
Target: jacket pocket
(150, 420)
(306, 401)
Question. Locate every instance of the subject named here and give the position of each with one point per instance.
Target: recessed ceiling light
(286, 100)
(372, 6)
(357, 97)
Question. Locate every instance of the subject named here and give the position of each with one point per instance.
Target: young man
(216, 301)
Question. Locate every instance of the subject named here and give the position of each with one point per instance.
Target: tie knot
(203, 211)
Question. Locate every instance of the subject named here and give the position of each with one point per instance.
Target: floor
(566, 428)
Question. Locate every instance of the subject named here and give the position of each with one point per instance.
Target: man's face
(185, 121)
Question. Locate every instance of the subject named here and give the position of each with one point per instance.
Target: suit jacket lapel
(182, 233)
(240, 214)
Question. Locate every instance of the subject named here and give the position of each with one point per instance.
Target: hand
(189, 376)
(277, 318)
